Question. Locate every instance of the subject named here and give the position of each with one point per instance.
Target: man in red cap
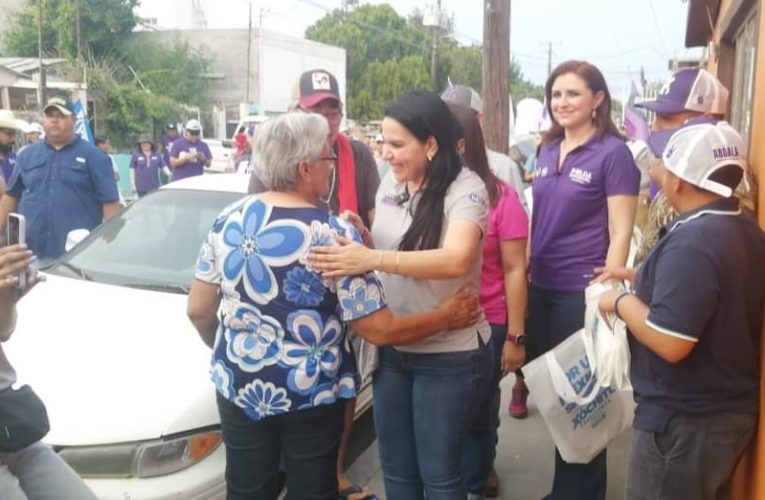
(353, 187)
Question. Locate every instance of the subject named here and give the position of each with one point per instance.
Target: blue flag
(82, 125)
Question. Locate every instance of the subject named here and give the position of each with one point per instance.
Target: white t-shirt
(466, 199)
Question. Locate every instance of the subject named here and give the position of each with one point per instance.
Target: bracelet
(616, 304)
(398, 261)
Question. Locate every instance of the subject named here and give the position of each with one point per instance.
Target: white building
(274, 66)
(175, 14)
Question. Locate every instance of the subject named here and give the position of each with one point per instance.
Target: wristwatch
(519, 339)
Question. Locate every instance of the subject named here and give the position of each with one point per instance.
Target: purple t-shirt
(167, 143)
(7, 165)
(569, 223)
(182, 147)
(146, 171)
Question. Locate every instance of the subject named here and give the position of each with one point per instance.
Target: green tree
(384, 81)
(104, 26)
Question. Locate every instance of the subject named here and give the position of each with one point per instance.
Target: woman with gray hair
(281, 364)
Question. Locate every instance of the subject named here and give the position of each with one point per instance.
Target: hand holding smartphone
(15, 234)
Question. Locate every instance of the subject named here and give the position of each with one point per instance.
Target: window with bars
(743, 77)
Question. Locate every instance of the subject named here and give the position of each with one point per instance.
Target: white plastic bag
(582, 417)
(607, 347)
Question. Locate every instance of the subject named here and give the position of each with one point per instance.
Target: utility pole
(77, 28)
(549, 58)
(41, 84)
(496, 71)
(433, 21)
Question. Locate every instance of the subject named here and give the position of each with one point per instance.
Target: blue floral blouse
(281, 345)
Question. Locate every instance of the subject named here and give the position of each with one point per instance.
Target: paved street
(524, 461)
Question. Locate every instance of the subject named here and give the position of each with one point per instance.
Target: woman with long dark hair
(585, 197)
(502, 296)
(428, 231)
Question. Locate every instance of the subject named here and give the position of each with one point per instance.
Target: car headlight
(142, 459)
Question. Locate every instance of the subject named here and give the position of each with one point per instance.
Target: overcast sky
(619, 36)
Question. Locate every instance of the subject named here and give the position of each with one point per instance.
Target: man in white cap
(690, 96)
(695, 322)
(189, 155)
(502, 165)
(59, 184)
(8, 128)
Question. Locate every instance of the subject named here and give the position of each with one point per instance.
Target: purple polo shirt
(6, 165)
(147, 169)
(182, 147)
(569, 225)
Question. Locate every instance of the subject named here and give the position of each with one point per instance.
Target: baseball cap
(657, 141)
(464, 96)
(193, 125)
(695, 152)
(8, 120)
(60, 103)
(35, 127)
(690, 90)
(171, 126)
(315, 86)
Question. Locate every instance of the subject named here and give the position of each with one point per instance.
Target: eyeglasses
(331, 159)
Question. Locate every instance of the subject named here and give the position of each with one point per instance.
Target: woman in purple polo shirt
(145, 167)
(585, 197)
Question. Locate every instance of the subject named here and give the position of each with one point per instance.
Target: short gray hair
(281, 143)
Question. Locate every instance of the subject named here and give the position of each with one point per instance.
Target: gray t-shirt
(7, 373)
(506, 169)
(466, 199)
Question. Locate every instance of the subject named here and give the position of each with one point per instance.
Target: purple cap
(317, 85)
(658, 141)
(690, 90)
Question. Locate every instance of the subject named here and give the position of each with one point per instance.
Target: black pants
(307, 439)
(553, 316)
(693, 459)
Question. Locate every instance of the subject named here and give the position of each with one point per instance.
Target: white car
(106, 343)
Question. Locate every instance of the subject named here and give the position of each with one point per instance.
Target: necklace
(331, 189)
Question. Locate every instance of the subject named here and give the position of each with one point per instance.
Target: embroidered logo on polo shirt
(477, 199)
(580, 176)
(389, 199)
(542, 172)
(80, 159)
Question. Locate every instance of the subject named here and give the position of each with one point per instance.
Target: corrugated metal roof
(27, 64)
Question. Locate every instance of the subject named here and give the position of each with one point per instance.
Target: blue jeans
(307, 440)
(553, 316)
(423, 405)
(480, 446)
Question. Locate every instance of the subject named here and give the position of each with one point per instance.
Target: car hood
(112, 364)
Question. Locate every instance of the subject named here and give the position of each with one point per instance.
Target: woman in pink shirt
(502, 296)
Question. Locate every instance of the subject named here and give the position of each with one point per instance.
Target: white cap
(696, 152)
(35, 127)
(193, 125)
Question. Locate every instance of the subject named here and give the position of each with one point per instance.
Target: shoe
(518, 408)
(492, 485)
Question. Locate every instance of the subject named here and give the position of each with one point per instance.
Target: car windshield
(152, 245)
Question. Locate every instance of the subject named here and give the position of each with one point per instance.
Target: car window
(152, 244)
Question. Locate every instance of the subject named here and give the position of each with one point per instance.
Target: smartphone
(16, 231)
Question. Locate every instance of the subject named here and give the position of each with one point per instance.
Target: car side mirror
(75, 236)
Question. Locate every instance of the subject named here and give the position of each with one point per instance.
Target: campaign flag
(82, 125)
(635, 124)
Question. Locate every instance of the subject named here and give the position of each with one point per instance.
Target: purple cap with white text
(689, 90)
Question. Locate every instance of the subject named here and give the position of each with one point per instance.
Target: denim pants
(553, 316)
(307, 440)
(480, 446)
(693, 459)
(423, 406)
(37, 473)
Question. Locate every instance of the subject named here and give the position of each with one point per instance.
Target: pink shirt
(507, 221)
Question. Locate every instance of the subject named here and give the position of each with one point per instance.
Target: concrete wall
(284, 58)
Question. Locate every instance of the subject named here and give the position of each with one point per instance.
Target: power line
(658, 29)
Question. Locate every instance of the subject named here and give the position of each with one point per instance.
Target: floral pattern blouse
(281, 345)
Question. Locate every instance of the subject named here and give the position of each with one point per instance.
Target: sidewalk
(525, 458)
